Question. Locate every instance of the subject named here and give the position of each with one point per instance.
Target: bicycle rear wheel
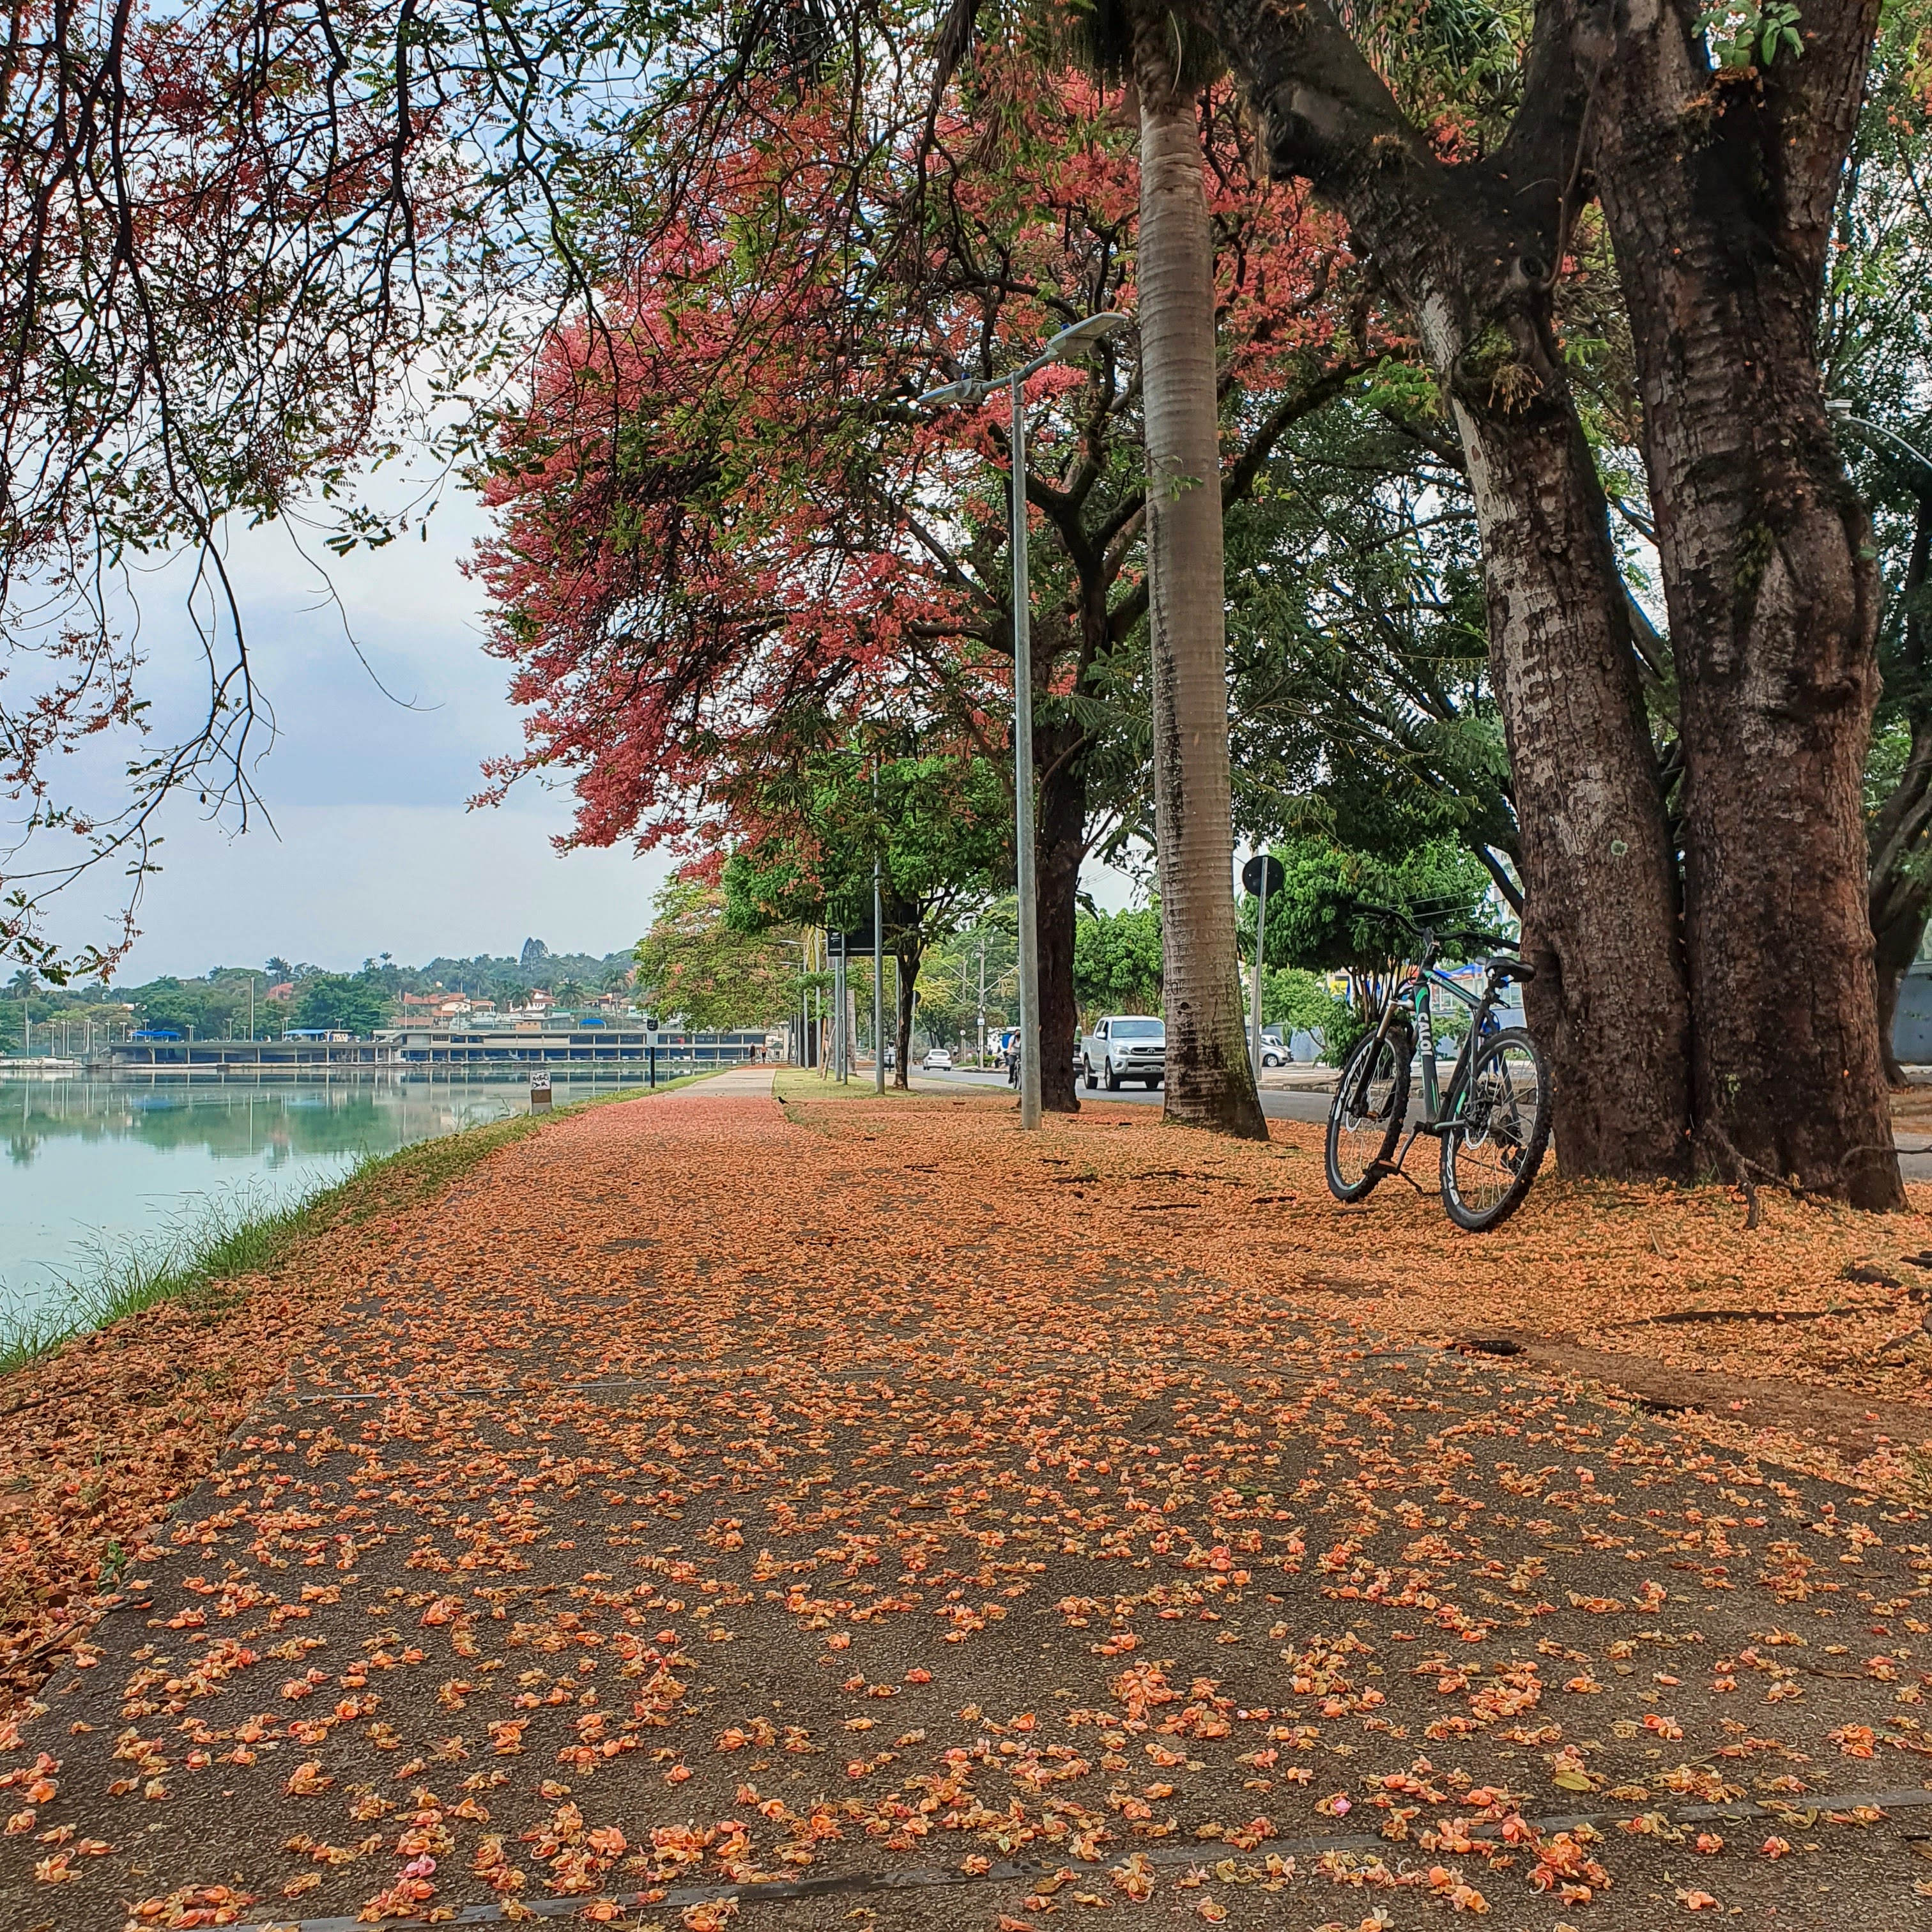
(1366, 1116)
(1492, 1150)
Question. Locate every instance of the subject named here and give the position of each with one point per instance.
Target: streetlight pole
(878, 951)
(982, 1001)
(1023, 833)
(1068, 344)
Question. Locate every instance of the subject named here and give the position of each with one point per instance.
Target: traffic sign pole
(1262, 872)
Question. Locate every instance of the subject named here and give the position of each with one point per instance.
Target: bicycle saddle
(1505, 967)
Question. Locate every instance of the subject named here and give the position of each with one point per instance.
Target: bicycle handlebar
(1405, 917)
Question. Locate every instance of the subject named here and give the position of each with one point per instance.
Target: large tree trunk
(908, 953)
(1600, 924)
(1062, 845)
(1718, 188)
(1210, 1082)
(1470, 248)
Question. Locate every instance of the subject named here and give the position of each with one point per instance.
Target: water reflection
(113, 1159)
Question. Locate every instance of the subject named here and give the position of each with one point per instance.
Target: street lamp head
(951, 394)
(1069, 342)
(1839, 406)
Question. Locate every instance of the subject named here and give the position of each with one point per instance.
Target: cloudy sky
(372, 848)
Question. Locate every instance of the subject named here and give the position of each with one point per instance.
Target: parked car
(938, 1061)
(1274, 1048)
(1125, 1046)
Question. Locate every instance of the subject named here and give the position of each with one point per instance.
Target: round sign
(1251, 875)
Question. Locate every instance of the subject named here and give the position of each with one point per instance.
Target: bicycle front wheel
(1492, 1150)
(1365, 1118)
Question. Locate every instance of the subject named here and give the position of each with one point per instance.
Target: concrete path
(822, 1515)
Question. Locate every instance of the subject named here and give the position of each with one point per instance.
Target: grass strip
(225, 1236)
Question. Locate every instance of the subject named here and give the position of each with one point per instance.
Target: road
(1280, 1103)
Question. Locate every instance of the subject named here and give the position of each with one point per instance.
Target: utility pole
(841, 1016)
(878, 951)
(983, 999)
(1068, 345)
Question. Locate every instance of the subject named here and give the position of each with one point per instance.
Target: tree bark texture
(1718, 187)
(1062, 845)
(1600, 925)
(1470, 249)
(905, 999)
(1901, 855)
(1210, 1082)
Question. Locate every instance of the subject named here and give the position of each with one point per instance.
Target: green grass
(226, 1236)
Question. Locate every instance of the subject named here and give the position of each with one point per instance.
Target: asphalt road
(1914, 1149)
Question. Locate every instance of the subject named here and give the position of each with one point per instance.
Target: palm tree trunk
(1209, 1081)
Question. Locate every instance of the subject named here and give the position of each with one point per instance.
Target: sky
(373, 846)
(370, 846)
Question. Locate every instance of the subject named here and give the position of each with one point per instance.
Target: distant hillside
(217, 1003)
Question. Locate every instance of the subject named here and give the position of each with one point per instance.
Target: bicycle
(1491, 1119)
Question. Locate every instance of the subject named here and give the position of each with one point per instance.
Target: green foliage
(937, 826)
(1324, 918)
(1339, 1038)
(1751, 36)
(694, 964)
(1358, 650)
(948, 979)
(1299, 1001)
(342, 1002)
(1117, 961)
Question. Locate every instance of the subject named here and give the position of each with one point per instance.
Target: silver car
(1125, 1046)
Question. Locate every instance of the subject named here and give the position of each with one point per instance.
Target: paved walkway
(735, 1083)
(860, 1502)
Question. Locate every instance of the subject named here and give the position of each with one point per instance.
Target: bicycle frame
(1441, 1104)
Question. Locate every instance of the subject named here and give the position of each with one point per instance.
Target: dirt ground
(715, 1511)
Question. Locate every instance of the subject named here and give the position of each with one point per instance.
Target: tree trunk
(1718, 189)
(1901, 877)
(1895, 946)
(1469, 248)
(1210, 1082)
(1062, 834)
(908, 953)
(1600, 920)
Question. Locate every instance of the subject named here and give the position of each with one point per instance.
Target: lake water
(88, 1159)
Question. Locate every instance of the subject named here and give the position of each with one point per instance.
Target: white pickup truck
(1125, 1046)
